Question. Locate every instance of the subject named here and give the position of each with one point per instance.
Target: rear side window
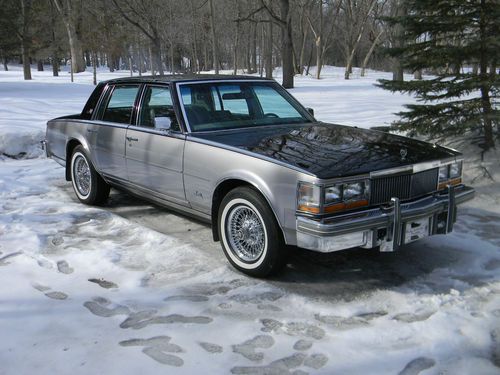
(121, 104)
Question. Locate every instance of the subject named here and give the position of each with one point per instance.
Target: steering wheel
(274, 115)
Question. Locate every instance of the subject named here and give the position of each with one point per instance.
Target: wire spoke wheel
(246, 233)
(82, 175)
(89, 186)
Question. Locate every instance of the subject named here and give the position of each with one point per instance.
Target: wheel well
(219, 194)
(69, 151)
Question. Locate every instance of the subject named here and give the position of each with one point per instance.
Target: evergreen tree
(447, 38)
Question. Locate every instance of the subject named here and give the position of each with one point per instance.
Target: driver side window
(157, 109)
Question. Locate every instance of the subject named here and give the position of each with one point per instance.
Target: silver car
(242, 154)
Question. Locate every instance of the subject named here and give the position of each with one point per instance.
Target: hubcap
(246, 233)
(81, 174)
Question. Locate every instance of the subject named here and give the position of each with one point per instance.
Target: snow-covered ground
(132, 288)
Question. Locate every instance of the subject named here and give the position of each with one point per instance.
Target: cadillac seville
(244, 155)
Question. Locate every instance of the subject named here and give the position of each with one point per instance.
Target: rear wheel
(89, 186)
(249, 233)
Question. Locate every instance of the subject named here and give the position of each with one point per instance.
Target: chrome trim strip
(396, 228)
(331, 181)
(415, 168)
(451, 209)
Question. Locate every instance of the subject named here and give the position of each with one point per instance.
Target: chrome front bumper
(383, 226)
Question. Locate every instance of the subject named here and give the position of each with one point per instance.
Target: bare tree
(322, 37)
(356, 18)
(70, 16)
(215, 49)
(146, 17)
(284, 20)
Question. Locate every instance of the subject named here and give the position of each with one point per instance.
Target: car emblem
(403, 152)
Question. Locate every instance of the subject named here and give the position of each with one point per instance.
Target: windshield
(231, 105)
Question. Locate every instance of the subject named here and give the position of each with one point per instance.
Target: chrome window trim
(105, 98)
(142, 94)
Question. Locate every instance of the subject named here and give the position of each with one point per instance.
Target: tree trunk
(319, 56)
(397, 72)
(268, 50)
(417, 74)
(39, 65)
(370, 52)
(303, 50)
(88, 60)
(195, 39)
(287, 47)
(156, 50)
(309, 62)
(151, 63)
(94, 68)
(214, 37)
(26, 61)
(254, 48)
(489, 141)
(25, 10)
(76, 50)
(5, 66)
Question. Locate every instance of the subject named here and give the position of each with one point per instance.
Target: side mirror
(311, 111)
(163, 123)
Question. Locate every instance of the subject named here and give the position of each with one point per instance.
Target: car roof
(185, 77)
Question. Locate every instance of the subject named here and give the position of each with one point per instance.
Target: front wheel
(88, 185)
(249, 233)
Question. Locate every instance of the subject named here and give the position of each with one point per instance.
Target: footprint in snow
(104, 283)
(417, 365)
(57, 240)
(40, 287)
(57, 295)
(248, 348)
(284, 365)
(303, 345)
(145, 318)
(45, 290)
(210, 347)
(158, 348)
(63, 267)
(293, 328)
(411, 318)
(3, 260)
(189, 298)
(99, 307)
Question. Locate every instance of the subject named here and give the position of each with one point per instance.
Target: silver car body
(183, 172)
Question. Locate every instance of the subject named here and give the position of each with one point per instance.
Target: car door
(155, 146)
(115, 114)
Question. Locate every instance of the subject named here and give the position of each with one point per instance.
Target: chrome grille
(405, 186)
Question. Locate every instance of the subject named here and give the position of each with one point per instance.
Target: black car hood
(328, 150)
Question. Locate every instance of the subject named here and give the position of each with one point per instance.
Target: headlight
(456, 170)
(354, 191)
(333, 194)
(443, 173)
(308, 198)
(450, 174)
(344, 196)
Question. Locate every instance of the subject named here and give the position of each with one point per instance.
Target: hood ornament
(403, 152)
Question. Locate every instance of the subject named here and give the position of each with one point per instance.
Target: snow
(162, 297)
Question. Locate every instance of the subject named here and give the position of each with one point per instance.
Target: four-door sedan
(242, 154)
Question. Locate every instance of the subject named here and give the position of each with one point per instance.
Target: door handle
(130, 139)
